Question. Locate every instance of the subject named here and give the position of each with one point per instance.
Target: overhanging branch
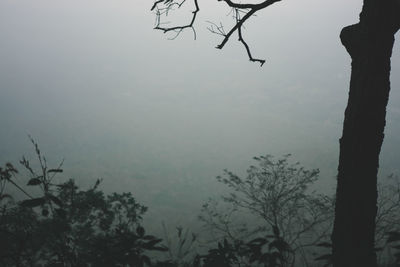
(168, 5)
(163, 7)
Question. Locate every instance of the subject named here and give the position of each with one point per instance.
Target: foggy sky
(93, 83)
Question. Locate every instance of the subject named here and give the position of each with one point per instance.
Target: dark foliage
(276, 195)
(64, 225)
(89, 229)
(67, 226)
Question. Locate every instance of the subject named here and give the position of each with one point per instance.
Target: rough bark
(369, 44)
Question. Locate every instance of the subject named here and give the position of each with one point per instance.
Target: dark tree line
(63, 225)
(271, 217)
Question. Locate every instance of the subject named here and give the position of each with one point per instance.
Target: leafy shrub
(67, 226)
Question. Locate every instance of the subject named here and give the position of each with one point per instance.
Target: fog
(94, 84)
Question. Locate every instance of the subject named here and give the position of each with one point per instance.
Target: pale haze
(93, 83)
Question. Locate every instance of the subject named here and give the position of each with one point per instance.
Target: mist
(94, 84)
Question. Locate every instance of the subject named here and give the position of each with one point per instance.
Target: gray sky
(93, 83)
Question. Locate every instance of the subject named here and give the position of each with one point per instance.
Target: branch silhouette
(163, 7)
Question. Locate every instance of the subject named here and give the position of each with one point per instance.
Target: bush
(67, 226)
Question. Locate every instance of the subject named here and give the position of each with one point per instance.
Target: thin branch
(238, 24)
(20, 188)
(262, 61)
(216, 29)
(247, 9)
(258, 6)
(155, 4)
(239, 8)
(164, 10)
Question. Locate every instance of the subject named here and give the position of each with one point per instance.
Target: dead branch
(163, 7)
(167, 6)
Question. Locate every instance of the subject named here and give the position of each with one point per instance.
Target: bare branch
(216, 29)
(241, 8)
(274, 192)
(155, 4)
(168, 6)
(238, 24)
(247, 9)
(258, 6)
(262, 61)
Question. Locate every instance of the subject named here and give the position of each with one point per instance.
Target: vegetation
(277, 194)
(67, 226)
(286, 223)
(369, 43)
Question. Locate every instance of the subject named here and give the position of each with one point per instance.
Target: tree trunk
(369, 44)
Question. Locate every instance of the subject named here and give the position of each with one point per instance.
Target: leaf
(35, 202)
(10, 168)
(159, 248)
(35, 181)
(140, 231)
(276, 256)
(55, 199)
(226, 244)
(280, 245)
(4, 196)
(266, 257)
(45, 212)
(146, 260)
(253, 258)
(148, 237)
(258, 240)
(62, 213)
(54, 170)
(150, 244)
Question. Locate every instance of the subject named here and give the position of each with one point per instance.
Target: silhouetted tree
(388, 212)
(369, 44)
(66, 226)
(274, 195)
(63, 225)
(269, 251)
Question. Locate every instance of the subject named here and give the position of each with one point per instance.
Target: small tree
(62, 225)
(276, 193)
(387, 222)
